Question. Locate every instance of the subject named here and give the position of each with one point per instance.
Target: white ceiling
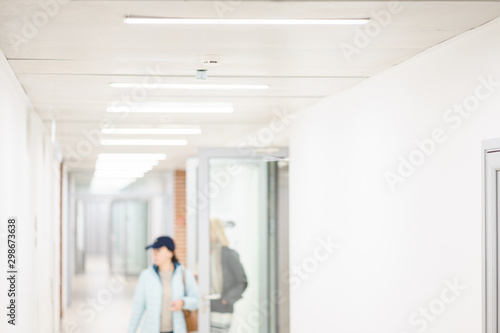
(66, 67)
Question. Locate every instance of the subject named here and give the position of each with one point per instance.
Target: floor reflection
(101, 302)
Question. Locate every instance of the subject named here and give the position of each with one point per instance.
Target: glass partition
(129, 229)
(136, 237)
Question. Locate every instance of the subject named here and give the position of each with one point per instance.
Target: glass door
(117, 248)
(136, 236)
(237, 239)
(491, 235)
(129, 229)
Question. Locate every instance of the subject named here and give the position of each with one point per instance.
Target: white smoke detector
(211, 59)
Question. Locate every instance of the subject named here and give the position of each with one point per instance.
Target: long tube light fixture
(151, 131)
(118, 174)
(126, 163)
(175, 108)
(210, 21)
(193, 86)
(131, 157)
(143, 142)
(114, 172)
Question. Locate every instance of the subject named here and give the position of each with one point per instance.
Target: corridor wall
(385, 204)
(29, 191)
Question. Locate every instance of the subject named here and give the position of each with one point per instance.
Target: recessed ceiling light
(100, 184)
(127, 164)
(118, 174)
(131, 157)
(124, 167)
(193, 86)
(113, 181)
(167, 20)
(151, 131)
(176, 108)
(144, 142)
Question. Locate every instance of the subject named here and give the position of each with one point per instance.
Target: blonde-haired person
(228, 278)
(163, 291)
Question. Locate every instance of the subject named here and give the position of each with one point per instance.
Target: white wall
(398, 247)
(29, 190)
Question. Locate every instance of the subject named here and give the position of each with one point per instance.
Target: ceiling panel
(66, 65)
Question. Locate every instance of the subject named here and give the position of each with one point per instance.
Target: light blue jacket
(148, 299)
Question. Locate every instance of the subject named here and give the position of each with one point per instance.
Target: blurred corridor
(101, 301)
(292, 166)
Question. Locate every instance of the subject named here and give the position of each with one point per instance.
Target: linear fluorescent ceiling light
(133, 166)
(144, 142)
(131, 157)
(124, 168)
(176, 108)
(118, 174)
(113, 181)
(131, 163)
(110, 184)
(126, 164)
(167, 20)
(151, 131)
(193, 86)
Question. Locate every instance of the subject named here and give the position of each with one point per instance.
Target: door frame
(490, 166)
(204, 155)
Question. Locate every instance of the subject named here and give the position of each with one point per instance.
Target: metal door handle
(213, 296)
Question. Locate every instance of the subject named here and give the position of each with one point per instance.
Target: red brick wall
(180, 215)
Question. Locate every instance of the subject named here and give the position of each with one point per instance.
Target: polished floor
(100, 301)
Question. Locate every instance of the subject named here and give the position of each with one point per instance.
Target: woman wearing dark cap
(161, 294)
